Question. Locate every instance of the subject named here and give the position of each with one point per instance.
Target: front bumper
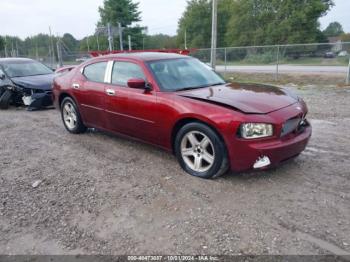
(277, 151)
(34, 100)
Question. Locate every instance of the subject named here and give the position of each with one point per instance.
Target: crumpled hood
(42, 82)
(248, 98)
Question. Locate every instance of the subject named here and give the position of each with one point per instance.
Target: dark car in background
(329, 55)
(25, 82)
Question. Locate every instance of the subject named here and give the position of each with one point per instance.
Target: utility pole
(348, 76)
(185, 38)
(98, 43)
(16, 48)
(214, 34)
(129, 40)
(36, 49)
(50, 55)
(12, 50)
(110, 37)
(59, 53)
(144, 35)
(87, 42)
(120, 36)
(6, 54)
(52, 49)
(277, 63)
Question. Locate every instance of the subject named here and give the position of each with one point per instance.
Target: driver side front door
(129, 111)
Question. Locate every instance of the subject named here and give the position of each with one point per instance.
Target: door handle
(76, 86)
(110, 92)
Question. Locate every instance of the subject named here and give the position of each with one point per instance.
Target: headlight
(256, 130)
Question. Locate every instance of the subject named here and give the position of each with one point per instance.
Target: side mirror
(138, 83)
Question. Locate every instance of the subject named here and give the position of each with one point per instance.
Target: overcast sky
(79, 17)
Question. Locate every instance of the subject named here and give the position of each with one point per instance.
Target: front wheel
(200, 151)
(71, 117)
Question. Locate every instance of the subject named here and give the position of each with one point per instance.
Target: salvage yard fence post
(277, 62)
(225, 62)
(59, 53)
(348, 75)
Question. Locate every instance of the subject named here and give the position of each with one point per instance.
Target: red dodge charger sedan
(180, 104)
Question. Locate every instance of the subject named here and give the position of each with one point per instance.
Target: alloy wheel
(70, 115)
(197, 151)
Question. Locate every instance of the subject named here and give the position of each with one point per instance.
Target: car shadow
(25, 108)
(282, 170)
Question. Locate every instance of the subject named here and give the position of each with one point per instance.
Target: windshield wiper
(198, 87)
(217, 84)
(190, 88)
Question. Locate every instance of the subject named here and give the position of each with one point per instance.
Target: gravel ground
(102, 194)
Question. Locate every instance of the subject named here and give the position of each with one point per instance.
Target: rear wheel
(5, 99)
(71, 117)
(200, 151)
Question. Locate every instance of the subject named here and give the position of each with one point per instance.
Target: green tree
(160, 41)
(345, 37)
(196, 23)
(38, 45)
(70, 42)
(261, 22)
(14, 44)
(119, 11)
(126, 13)
(95, 42)
(253, 22)
(2, 46)
(333, 29)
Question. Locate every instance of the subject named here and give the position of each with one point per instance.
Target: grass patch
(297, 79)
(314, 61)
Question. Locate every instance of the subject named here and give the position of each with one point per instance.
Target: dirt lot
(107, 195)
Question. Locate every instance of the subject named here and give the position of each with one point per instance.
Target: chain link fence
(304, 63)
(299, 64)
(60, 56)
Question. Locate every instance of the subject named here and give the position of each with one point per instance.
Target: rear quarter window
(95, 72)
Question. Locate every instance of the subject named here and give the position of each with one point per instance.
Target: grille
(295, 124)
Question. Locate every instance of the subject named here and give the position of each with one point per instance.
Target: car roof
(14, 59)
(146, 56)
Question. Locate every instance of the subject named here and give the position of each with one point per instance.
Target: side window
(96, 72)
(123, 71)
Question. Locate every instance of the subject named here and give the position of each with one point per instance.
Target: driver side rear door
(89, 91)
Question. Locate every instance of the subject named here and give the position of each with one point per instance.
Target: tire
(200, 151)
(5, 99)
(71, 117)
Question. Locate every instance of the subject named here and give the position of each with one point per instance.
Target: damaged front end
(25, 82)
(34, 92)
(34, 99)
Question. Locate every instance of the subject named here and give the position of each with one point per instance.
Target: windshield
(26, 68)
(183, 73)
